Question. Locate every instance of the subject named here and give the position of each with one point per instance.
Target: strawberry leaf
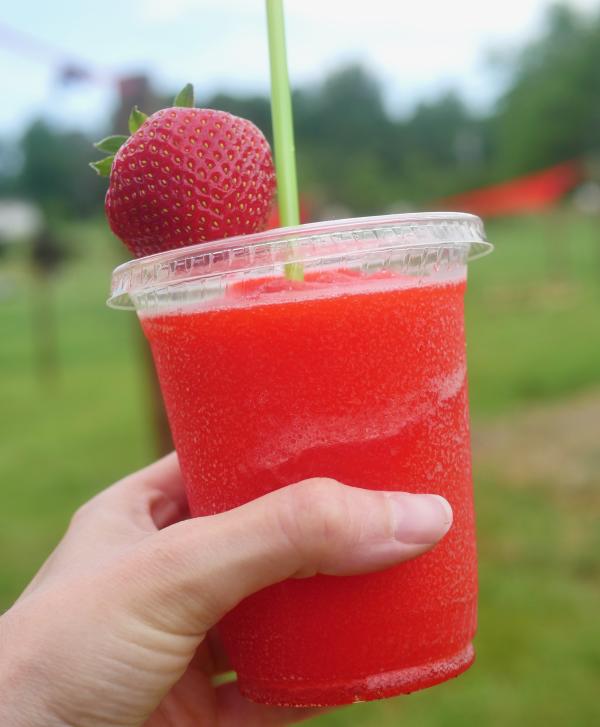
(185, 97)
(103, 166)
(136, 119)
(111, 144)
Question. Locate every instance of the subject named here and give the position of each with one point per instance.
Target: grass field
(533, 312)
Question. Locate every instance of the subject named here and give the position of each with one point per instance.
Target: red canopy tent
(530, 193)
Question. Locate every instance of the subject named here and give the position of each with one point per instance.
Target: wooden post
(557, 245)
(44, 330)
(46, 257)
(161, 433)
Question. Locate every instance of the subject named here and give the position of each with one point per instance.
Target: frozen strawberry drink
(357, 372)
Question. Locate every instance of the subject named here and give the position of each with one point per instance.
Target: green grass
(533, 334)
(532, 312)
(61, 443)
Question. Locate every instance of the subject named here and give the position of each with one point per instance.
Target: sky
(417, 49)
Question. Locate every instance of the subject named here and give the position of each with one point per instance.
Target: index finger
(154, 495)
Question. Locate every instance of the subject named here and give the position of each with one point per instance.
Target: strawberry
(184, 176)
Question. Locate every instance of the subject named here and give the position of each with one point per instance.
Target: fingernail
(420, 519)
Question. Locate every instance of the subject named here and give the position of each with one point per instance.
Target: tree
(255, 108)
(352, 152)
(551, 109)
(54, 171)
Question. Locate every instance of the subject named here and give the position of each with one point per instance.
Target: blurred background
(397, 107)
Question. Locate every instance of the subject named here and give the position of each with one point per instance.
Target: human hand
(115, 629)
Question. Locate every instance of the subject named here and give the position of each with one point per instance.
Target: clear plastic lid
(417, 244)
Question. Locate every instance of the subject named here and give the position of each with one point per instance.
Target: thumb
(199, 569)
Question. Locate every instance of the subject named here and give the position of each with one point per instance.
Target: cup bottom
(364, 689)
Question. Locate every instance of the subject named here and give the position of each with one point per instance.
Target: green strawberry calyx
(112, 144)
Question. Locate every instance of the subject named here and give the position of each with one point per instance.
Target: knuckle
(83, 514)
(95, 512)
(168, 549)
(317, 516)
(99, 509)
(153, 567)
(177, 583)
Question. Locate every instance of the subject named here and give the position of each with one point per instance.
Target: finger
(235, 710)
(210, 657)
(158, 489)
(121, 515)
(220, 660)
(150, 499)
(196, 571)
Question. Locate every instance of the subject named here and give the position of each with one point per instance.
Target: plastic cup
(357, 373)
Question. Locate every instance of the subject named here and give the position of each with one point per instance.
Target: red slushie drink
(357, 372)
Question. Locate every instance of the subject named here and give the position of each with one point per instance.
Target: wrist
(23, 687)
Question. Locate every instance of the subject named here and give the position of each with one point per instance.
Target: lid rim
(141, 273)
(281, 233)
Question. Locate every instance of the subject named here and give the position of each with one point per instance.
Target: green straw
(283, 127)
